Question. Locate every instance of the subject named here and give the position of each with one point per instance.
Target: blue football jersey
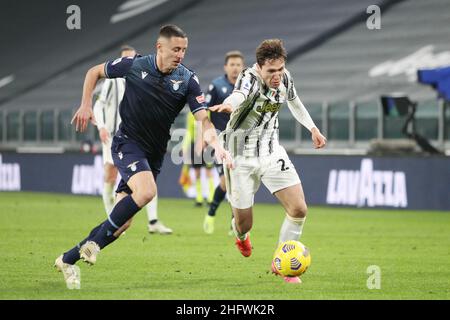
(152, 100)
(219, 89)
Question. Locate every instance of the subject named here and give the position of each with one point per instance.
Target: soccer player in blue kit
(157, 88)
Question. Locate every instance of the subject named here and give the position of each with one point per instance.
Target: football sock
(152, 210)
(73, 255)
(291, 229)
(108, 197)
(198, 189)
(219, 195)
(238, 235)
(211, 189)
(123, 211)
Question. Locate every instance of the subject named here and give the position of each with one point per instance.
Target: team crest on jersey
(176, 84)
(224, 89)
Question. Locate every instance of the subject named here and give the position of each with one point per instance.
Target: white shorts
(276, 172)
(106, 152)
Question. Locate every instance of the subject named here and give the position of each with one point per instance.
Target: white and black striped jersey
(254, 123)
(106, 108)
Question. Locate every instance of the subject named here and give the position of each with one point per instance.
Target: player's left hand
(81, 118)
(223, 156)
(318, 139)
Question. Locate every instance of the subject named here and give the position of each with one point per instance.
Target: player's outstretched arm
(300, 113)
(84, 112)
(226, 108)
(210, 136)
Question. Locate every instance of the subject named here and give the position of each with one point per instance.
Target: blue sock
(219, 195)
(123, 211)
(73, 255)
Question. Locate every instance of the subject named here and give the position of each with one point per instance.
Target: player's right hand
(81, 118)
(104, 135)
(221, 108)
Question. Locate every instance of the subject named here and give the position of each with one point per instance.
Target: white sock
(152, 209)
(108, 197)
(291, 229)
(238, 235)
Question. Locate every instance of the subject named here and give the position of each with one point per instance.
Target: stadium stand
(331, 55)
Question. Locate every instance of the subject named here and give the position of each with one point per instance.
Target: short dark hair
(126, 47)
(170, 30)
(270, 49)
(233, 54)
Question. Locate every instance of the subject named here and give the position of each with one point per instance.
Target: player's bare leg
(110, 176)
(241, 224)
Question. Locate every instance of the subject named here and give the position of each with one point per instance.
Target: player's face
(233, 67)
(272, 71)
(171, 51)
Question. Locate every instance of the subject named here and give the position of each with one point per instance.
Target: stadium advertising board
(355, 181)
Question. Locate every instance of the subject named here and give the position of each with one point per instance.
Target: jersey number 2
(283, 165)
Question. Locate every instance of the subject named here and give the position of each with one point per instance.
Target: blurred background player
(107, 117)
(193, 154)
(252, 137)
(219, 89)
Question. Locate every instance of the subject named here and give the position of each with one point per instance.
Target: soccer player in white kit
(107, 117)
(252, 139)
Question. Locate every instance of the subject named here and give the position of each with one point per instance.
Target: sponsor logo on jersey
(176, 84)
(269, 107)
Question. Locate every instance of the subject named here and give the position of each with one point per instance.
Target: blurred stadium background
(341, 68)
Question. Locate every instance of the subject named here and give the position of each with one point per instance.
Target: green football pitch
(356, 253)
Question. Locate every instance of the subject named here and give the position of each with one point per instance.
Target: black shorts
(129, 158)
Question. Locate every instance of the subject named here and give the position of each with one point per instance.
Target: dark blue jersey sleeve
(211, 96)
(195, 96)
(119, 67)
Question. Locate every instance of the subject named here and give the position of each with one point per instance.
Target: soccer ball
(291, 259)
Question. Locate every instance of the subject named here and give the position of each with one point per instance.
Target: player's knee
(142, 197)
(299, 211)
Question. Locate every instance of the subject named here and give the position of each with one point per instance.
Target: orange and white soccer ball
(291, 259)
